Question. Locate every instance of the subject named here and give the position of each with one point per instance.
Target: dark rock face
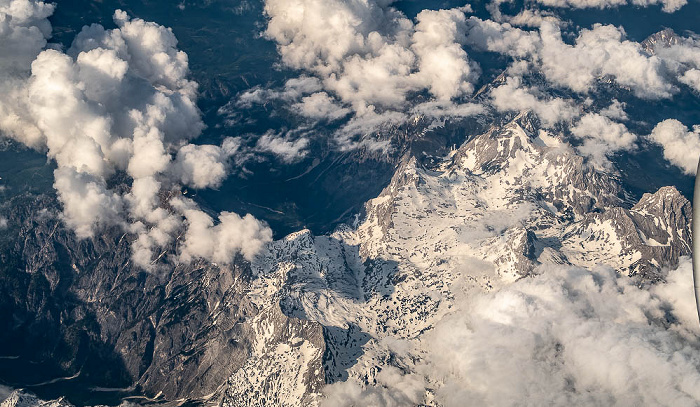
(573, 186)
(656, 229)
(523, 247)
(662, 39)
(288, 372)
(665, 216)
(590, 204)
(77, 308)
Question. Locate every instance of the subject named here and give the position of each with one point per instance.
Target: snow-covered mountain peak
(495, 210)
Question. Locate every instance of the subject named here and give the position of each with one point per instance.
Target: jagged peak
(664, 199)
(528, 121)
(662, 39)
(299, 235)
(499, 80)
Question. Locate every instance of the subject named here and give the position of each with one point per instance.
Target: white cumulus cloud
(599, 52)
(680, 144)
(512, 96)
(368, 58)
(602, 136)
(668, 6)
(118, 101)
(567, 337)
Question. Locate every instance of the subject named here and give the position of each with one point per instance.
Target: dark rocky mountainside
(78, 316)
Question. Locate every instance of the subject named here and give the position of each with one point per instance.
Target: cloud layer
(566, 337)
(118, 103)
(596, 53)
(365, 63)
(668, 6)
(369, 54)
(680, 144)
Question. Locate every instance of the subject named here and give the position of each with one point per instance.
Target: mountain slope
(493, 211)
